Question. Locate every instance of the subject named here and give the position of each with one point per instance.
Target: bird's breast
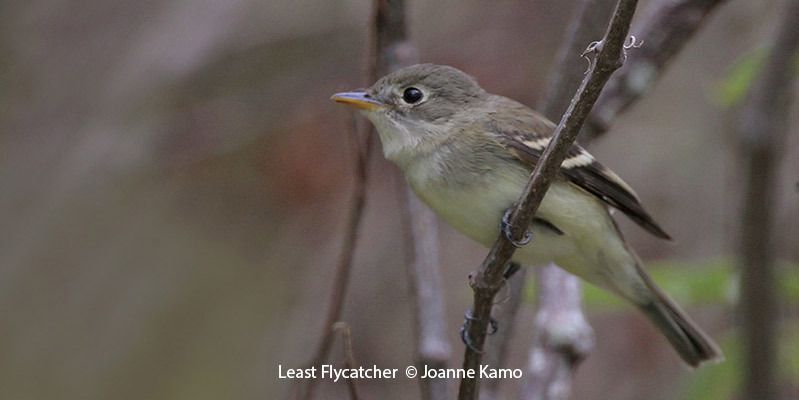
(471, 201)
(475, 207)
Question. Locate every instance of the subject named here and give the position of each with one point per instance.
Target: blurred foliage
(722, 381)
(707, 282)
(733, 87)
(719, 381)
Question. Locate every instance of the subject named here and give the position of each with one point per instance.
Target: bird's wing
(526, 138)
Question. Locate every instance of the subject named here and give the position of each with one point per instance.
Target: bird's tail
(693, 345)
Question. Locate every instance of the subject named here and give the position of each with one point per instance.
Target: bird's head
(416, 107)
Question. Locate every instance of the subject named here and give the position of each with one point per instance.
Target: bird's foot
(513, 268)
(507, 230)
(467, 320)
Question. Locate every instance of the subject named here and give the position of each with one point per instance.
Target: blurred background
(174, 184)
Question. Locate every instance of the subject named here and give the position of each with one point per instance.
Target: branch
(665, 32)
(556, 351)
(488, 279)
(349, 356)
(505, 313)
(590, 20)
(388, 35)
(562, 336)
(432, 346)
(390, 43)
(344, 264)
(762, 132)
(430, 333)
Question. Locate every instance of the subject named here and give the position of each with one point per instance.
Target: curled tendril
(632, 43)
(593, 47)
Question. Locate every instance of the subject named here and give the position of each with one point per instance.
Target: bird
(468, 154)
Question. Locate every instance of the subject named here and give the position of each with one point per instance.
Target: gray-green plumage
(468, 154)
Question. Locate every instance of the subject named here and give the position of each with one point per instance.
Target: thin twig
(344, 264)
(488, 278)
(666, 30)
(390, 40)
(590, 20)
(762, 133)
(497, 346)
(430, 330)
(558, 348)
(349, 356)
(388, 26)
(430, 334)
(665, 33)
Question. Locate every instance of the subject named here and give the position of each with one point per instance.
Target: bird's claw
(466, 339)
(513, 268)
(493, 326)
(507, 230)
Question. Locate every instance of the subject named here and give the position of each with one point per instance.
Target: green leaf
(733, 88)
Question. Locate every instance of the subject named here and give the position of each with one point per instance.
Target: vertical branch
(388, 41)
(762, 131)
(430, 332)
(349, 356)
(390, 45)
(430, 322)
(609, 56)
(344, 264)
(563, 337)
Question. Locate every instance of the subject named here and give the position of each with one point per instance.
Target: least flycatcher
(468, 154)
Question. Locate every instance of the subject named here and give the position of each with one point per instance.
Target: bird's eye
(412, 95)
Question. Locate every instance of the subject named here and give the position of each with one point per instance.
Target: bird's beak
(358, 99)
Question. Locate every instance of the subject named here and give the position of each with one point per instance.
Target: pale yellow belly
(476, 212)
(588, 246)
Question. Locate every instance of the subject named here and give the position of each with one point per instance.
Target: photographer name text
(331, 372)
